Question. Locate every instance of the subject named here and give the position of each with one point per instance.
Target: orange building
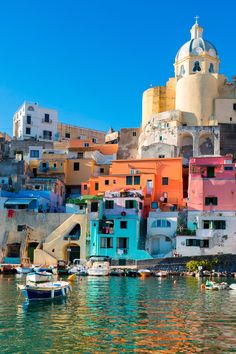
(159, 179)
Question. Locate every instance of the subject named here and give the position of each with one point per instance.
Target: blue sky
(92, 59)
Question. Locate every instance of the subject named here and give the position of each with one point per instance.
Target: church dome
(196, 46)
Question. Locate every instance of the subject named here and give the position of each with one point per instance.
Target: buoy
(175, 281)
(72, 277)
(203, 287)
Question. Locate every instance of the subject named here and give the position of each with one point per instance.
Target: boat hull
(45, 291)
(38, 277)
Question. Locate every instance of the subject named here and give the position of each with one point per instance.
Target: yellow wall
(86, 170)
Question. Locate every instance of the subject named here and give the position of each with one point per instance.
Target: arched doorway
(186, 146)
(31, 247)
(72, 252)
(206, 144)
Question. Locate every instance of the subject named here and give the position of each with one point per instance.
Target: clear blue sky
(92, 59)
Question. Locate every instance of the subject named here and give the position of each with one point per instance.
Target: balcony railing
(185, 231)
(106, 230)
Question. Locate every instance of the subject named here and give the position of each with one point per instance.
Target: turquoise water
(120, 315)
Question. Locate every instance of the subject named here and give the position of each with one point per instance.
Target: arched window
(211, 68)
(30, 108)
(196, 66)
(161, 223)
(182, 70)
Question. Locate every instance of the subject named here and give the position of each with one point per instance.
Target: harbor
(120, 314)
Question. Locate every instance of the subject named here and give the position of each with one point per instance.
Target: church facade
(195, 113)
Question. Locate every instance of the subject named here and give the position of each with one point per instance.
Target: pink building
(212, 184)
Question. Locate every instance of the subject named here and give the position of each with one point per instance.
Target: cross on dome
(196, 19)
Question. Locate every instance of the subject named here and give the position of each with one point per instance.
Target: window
(196, 66)
(161, 156)
(211, 201)
(44, 165)
(20, 227)
(136, 180)
(130, 204)
(28, 119)
(67, 135)
(94, 207)
(27, 131)
(86, 145)
(106, 242)
(234, 106)
(210, 172)
(182, 70)
(34, 153)
(211, 68)
(123, 224)
(129, 180)
(122, 242)
(80, 155)
(47, 135)
(160, 137)
(114, 181)
(101, 170)
(134, 133)
(228, 168)
(96, 186)
(107, 182)
(197, 243)
(230, 119)
(54, 165)
(30, 108)
(165, 181)
(76, 166)
(161, 223)
(109, 204)
(85, 187)
(140, 206)
(94, 140)
(46, 118)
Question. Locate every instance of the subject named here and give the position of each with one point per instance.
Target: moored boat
(24, 270)
(98, 266)
(161, 274)
(38, 276)
(45, 291)
(212, 285)
(144, 273)
(78, 267)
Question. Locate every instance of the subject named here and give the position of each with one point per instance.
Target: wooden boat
(45, 291)
(38, 277)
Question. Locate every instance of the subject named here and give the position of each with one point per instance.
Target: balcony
(201, 233)
(47, 121)
(181, 231)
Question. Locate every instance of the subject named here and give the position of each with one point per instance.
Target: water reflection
(119, 314)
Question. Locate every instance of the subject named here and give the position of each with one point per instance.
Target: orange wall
(147, 169)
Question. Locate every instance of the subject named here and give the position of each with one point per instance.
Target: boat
(38, 277)
(43, 268)
(161, 274)
(144, 273)
(62, 267)
(45, 291)
(132, 273)
(24, 270)
(117, 272)
(232, 286)
(212, 285)
(78, 267)
(98, 265)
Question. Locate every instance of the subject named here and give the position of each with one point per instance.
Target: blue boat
(45, 291)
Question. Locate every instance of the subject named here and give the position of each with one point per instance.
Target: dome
(196, 45)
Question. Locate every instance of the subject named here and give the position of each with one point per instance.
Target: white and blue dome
(196, 46)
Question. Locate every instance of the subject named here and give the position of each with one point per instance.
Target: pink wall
(222, 186)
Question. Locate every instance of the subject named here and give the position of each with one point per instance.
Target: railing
(106, 230)
(185, 231)
(47, 121)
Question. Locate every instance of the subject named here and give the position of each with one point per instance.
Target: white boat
(98, 265)
(232, 286)
(24, 270)
(212, 285)
(45, 291)
(78, 267)
(37, 277)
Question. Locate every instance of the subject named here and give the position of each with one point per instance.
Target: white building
(33, 121)
(215, 234)
(161, 231)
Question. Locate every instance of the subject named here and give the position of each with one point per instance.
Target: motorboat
(117, 272)
(212, 285)
(161, 274)
(132, 273)
(144, 273)
(44, 268)
(98, 265)
(45, 291)
(78, 267)
(39, 277)
(62, 267)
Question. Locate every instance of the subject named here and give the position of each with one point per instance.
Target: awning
(20, 201)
